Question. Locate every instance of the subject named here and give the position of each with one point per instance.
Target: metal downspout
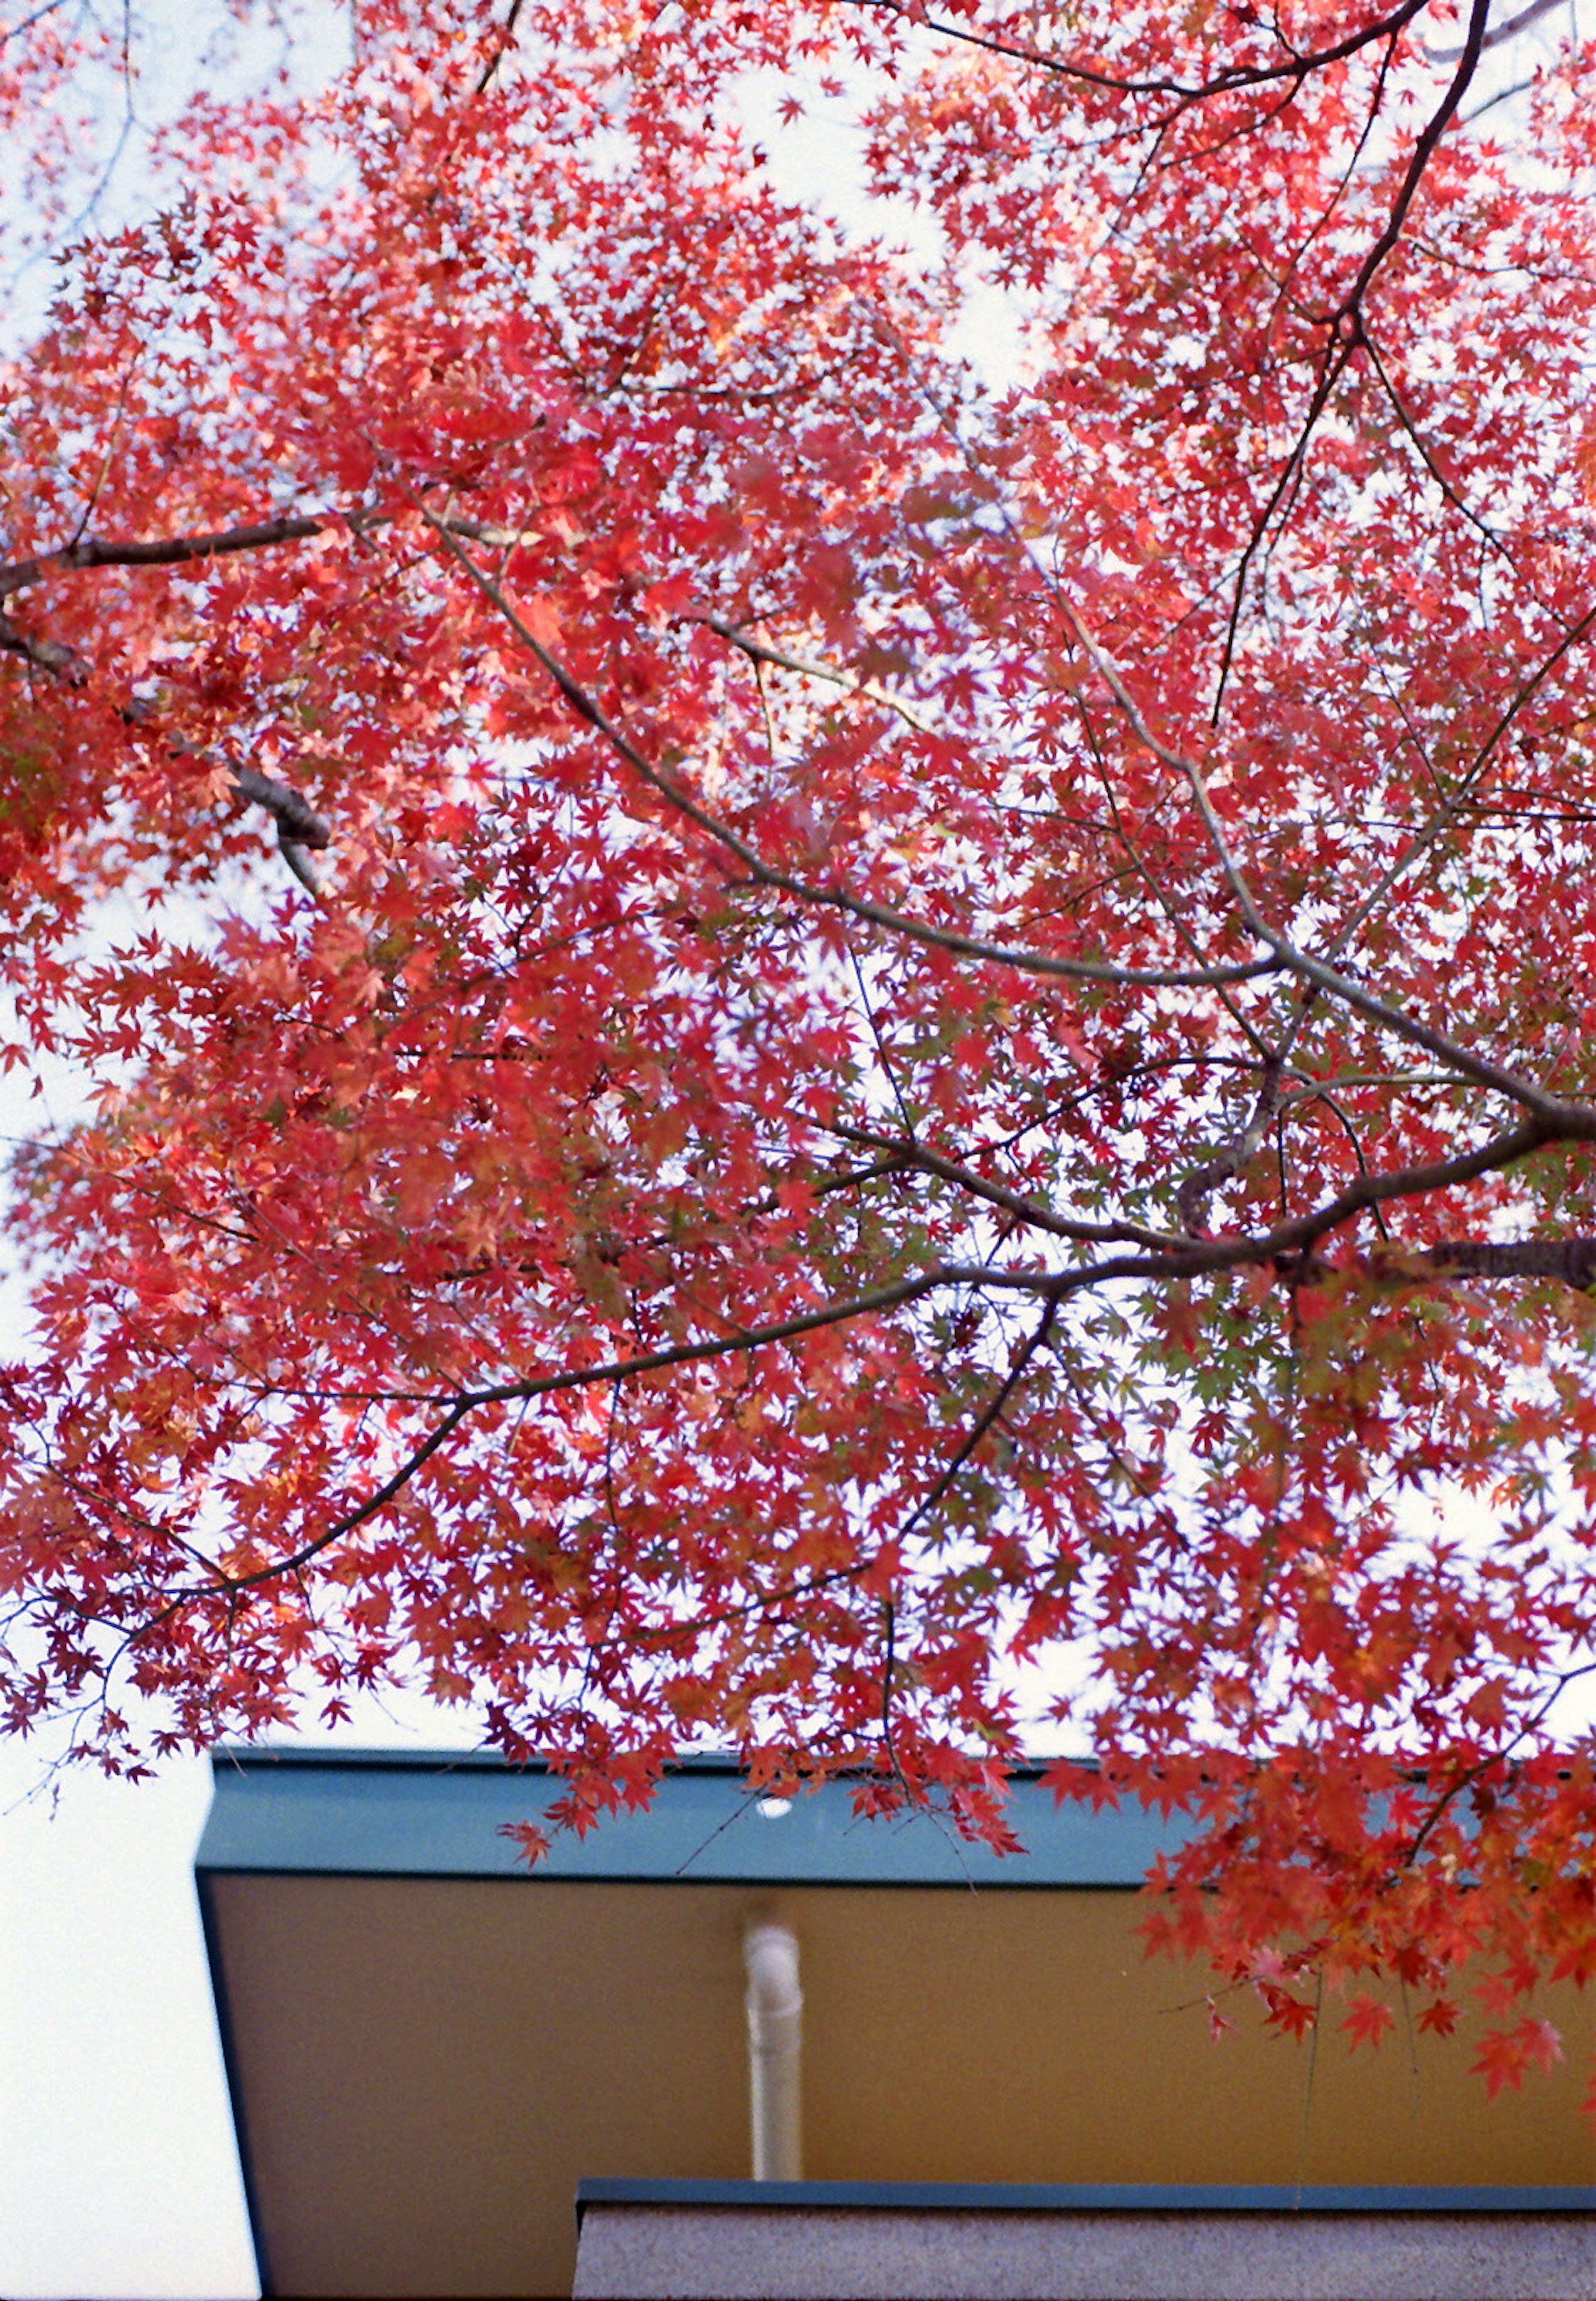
(776, 2004)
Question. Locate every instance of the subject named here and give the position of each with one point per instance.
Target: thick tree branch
(1571, 1261)
(51, 656)
(1288, 1247)
(167, 551)
(299, 828)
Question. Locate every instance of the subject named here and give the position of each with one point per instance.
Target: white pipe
(775, 2049)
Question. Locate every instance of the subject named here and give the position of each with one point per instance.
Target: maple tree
(908, 1029)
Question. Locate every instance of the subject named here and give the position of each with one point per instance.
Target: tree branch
(1198, 1188)
(299, 828)
(1434, 128)
(1297, 68)
(1461, 793)
(168, 551)
(989, 1415)
(766, 875)
(1571, 1261)
(915, 1153)
(585, 1378)
(1558, 1117)
(1508, 31)
(54, 655)
(506, 41)
(758, 651)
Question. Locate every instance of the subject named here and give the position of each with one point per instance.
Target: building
(435, 2056)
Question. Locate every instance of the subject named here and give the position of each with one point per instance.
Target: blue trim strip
(1079, 2197)
(439, 1814)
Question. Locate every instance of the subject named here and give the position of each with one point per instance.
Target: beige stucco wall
(429, 2066)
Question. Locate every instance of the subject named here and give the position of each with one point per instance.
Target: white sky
(118, 2174)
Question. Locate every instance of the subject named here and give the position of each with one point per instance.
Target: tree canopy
(860, 1016)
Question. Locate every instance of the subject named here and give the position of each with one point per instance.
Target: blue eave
(1082, 2197)
(444, 1815)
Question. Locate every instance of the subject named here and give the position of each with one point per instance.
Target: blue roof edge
(275, 1756)
(452, 1814)
(1097, 2197)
